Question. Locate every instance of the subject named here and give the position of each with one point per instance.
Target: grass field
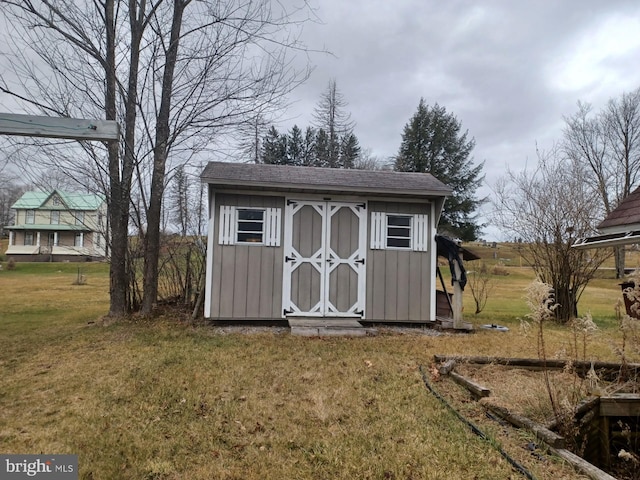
(166, 399)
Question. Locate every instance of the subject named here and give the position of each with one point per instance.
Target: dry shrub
(11, 264)
(500, 270)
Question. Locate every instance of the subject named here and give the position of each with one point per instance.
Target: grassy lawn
(171, 400)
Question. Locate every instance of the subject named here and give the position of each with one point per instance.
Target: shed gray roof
(624, 215)
(620, 227)
(316, 179)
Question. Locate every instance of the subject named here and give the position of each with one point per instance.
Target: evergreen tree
(349, 151)
(274, 148)
(433, 142)
(309, 147)
(295, 146)
(322, 149)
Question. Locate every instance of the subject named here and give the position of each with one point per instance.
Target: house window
(79, 240)
(399, 232)
(79, 218)
(28, 239)
(250, 226)
(30, 217)
(55, 217)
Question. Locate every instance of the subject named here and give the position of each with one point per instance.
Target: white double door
(324, 264)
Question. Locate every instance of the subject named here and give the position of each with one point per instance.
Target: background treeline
(315, 147)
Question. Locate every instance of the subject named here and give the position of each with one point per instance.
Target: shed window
(251, 226)
(396, 231)
(30, 216)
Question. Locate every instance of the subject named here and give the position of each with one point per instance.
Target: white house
(58, 226)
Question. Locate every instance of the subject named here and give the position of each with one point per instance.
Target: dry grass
(170, 400)
(524, 391)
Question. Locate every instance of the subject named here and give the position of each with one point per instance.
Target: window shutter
(272, 227)
(420, 233)
(227, 225)
(378, 230)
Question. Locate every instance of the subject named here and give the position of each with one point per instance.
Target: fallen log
(541, 432)
(590, 470)
(581, 409)
(580, 367)
(446, 367)
(475, 388)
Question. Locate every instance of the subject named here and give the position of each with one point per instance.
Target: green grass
(165, 399)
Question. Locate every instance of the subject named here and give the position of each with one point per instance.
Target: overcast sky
(509, 70)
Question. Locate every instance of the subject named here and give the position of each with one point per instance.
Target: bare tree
(330, 115)
(177, 75)
(551, 207)
(10, 192)
(608, 142)
(368, 161)
(622, 125)
(481, 286)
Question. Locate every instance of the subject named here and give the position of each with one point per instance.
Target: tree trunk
(117, 212)
(619, 255)
(567, 304)
(160, 153)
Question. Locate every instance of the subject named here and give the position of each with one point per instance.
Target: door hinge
(289, 259)
(361, 205)
(285, 312)
(360, 261)
(291, 202)
(359, 313)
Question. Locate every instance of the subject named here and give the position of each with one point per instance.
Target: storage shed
(290, 242)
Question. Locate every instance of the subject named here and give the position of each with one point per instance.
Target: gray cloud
(508, 70)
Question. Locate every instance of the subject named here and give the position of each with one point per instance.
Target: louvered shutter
(272, 227)
(378, 230)
(227, 225)
(420, 233)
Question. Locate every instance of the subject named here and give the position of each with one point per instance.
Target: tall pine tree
(274, 148)
(433, 142)
(295, 147)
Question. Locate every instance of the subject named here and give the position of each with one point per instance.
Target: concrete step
(324, 327)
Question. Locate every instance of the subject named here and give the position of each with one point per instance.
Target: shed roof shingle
(625, 214)
(290, 178)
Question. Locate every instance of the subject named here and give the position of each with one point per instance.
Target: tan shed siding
(398, 281)
(246, 279)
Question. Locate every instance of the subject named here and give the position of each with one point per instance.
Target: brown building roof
(315, 179)
(625, 214)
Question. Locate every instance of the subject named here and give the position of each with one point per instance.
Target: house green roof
(47, 226)
(70, 201)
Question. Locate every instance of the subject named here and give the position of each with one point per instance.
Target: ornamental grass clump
(542, 305)
(628, 323)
